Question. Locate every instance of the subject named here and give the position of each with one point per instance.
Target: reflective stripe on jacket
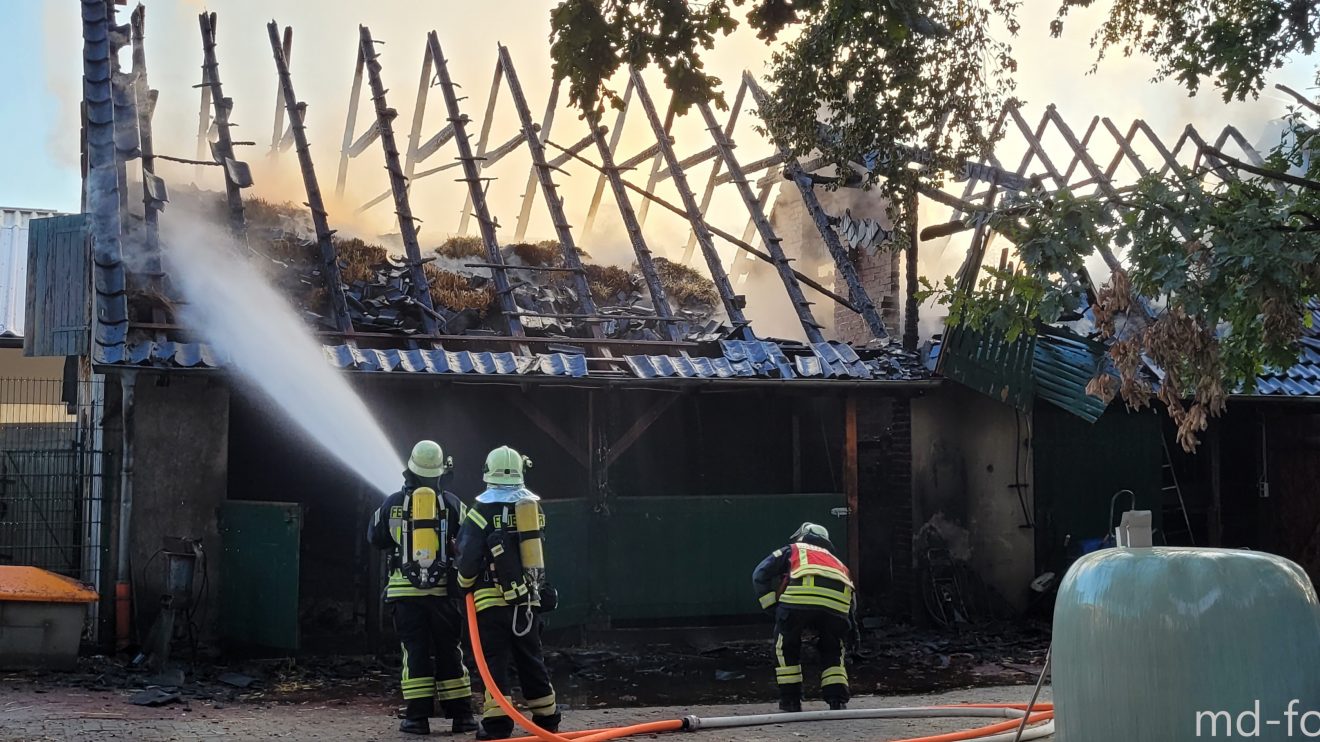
(804, 575)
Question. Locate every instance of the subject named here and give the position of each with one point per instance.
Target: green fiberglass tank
(1174, 645)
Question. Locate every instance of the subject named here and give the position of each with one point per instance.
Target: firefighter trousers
(505, 652)
(831, 630)
(431, 631)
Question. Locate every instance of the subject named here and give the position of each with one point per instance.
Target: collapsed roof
(471, 305)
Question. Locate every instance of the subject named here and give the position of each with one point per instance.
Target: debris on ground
(155, 697)
(236, 679)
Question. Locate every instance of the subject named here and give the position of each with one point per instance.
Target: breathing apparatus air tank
(527, 515)
(425, 533)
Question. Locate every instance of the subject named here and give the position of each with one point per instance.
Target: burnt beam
(555, 204)
(631, 225)
(732, 307)
(801, 306)
(472, 176)
(398, 183)
(842, 261)
(236, 175)
(320, 221)
(649, 197)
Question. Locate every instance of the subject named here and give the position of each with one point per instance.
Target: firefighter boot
(496, 728)
(837, 704)
(549, 723)
(790, 698)
(460, 711)
(415, 726)
(415, 716)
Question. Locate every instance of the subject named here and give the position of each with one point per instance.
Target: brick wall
(884, 461)
(880, 274)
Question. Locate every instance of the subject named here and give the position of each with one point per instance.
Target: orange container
(41, 618)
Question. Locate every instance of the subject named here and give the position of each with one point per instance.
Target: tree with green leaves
(1218, 264)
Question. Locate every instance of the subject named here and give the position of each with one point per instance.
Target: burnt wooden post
(554, 203)
(398, 184)
(842, 262)
(610, 173)
(483, 139)
(732, 307)
(911, 333)
(472, 176)
(652, 153)
(709, 191)
(278, 135)
(716, 231)
(223, 150)
(419, 151)
(345, 149)
(324, 235)
(529, 192)
(152, 186)
(772, 242)
(615, 135)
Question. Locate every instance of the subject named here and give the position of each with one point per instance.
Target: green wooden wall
(655, 558)
(1080, 465)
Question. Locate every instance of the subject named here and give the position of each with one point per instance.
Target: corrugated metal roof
(767, 360)
(1303, 378)
(202, 356)
(1063, 367)
(13, 267)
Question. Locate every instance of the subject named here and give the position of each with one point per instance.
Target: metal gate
(52, 468)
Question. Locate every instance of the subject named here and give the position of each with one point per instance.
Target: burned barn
(673, 443)
(670, 440)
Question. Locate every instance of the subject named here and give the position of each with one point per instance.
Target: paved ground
(33, 715)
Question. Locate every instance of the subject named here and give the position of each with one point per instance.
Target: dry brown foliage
(456, 292)
(462, 248)
(545, 252)
(357, 259)
(683, 285)
(1180, 345)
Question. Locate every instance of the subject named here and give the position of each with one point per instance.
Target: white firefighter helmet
(810, 529)
(428, 460)
(504, 466)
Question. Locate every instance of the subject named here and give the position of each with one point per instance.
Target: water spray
(231, 306)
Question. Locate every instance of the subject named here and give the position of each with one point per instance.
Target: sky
(39, 110)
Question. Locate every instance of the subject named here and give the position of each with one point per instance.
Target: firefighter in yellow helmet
(500, 560)
(806, 587)
(419, 525)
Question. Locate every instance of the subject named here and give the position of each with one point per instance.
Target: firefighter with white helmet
(807, 588)
(500, 559)
(419, 525)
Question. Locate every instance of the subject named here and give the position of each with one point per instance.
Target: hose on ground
(991, 733)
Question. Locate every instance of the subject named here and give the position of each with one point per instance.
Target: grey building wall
(967, 453)
(180, 479)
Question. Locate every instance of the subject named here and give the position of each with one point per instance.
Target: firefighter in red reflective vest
(806, 587)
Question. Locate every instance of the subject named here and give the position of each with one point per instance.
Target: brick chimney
(880, 273)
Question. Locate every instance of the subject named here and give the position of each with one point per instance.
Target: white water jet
(230, 306)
